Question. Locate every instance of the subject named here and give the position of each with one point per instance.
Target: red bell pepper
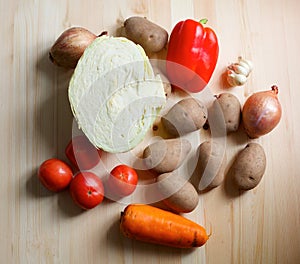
(192, 55)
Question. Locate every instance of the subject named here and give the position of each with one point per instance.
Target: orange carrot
(150, 224)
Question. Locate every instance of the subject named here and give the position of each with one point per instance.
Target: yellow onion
(261, 112)
(69, 47)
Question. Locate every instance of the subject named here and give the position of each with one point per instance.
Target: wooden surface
(36, 226)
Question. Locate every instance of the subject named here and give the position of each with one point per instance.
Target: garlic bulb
(237, 73)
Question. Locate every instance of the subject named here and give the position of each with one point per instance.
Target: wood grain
(259, 226)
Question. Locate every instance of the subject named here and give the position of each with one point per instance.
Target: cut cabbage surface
(114, 94)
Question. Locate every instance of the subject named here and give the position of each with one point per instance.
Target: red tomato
(122, 180)
(55, 174)
(87, 190)
(82, 154)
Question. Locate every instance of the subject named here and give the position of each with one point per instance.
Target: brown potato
(166, 155)
(231, 109)
(211, 163)
(149, 35)
(181, 195)
(249, 166)
(186, 116)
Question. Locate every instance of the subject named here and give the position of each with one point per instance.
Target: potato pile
(165, 157)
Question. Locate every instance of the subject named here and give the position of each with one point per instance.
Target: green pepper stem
(203, 21)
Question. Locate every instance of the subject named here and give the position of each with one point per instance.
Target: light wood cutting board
(36, 226)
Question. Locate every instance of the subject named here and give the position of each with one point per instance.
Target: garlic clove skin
(235, 79)
(237, 68)
(69, 47)
(246, 63)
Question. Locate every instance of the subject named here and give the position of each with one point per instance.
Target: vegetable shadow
(114, 237)
(34, 187)
(239, 137)
(67, 206)
(231, 189)
(53, 113)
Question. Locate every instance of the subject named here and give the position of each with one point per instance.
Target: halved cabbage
(114, 94)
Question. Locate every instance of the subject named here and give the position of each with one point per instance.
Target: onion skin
(69, 47)
(261, 113)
